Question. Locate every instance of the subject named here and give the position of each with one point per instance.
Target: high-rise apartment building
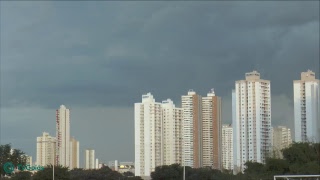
(211, 146)
(74, 153)
(171, 133)
(307, 108)
(46, 150)
(281, 139)
(227, 146)
(63, 136)
(90, 159)
(252, 123)
(148, 135)
(191, 130)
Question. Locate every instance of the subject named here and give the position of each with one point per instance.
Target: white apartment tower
(252, 120)
(227, 146)
(211, 145)
(74, 153)
(90, 159)
(191, 130)
(281, 139)
(46, 150)
(171, 123)
(63, 136)
(307, 108)
(148, 135)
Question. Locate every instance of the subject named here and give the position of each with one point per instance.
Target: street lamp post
(184, 172)
(53, 159)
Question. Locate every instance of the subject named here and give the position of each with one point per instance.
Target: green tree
(60, 172)
(128, 174)
(22, 175)
(16, 157)
(172, 172)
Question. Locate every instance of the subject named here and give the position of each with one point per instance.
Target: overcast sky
(98, 58)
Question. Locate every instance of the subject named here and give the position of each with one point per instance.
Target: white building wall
(227, 147)
(171, 136)
(148, 132)
(251, 120)
(307, 108)
(63, 136)
(297, 113)
(45, 149)
(90, 159)
(312, 111)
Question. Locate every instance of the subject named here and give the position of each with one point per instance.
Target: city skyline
(99, 57)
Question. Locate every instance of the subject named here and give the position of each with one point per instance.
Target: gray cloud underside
(108, 53)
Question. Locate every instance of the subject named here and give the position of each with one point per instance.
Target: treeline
(298, 159)
(61, 173)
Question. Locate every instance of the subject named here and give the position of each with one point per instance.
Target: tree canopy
(299, 158)
(15, 156)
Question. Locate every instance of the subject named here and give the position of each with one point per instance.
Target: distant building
(90, 159)
(307, 108)
(46, 150)
(74, 153)
(101, 165)
(121, 167)
(227, 147)
(29, 160)
(97, 164)
(281, 139)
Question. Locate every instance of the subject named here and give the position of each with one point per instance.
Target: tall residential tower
(252, 120)
(211, 146)
(148, 135)
(171, 134)
(63, 136)
(307, 108)
(191, 130)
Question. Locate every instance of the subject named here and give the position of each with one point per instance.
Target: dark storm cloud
(95, 55)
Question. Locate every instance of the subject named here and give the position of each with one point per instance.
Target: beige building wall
(281, 139)
(227, 147)
(74, 148)
(171, 134)
(46, 150)
(191, 133)
(211, 131)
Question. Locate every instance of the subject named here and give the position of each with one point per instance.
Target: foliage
(22, 175)
(60, 172)
(104, 173)
(299, 158)
(16, 157)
